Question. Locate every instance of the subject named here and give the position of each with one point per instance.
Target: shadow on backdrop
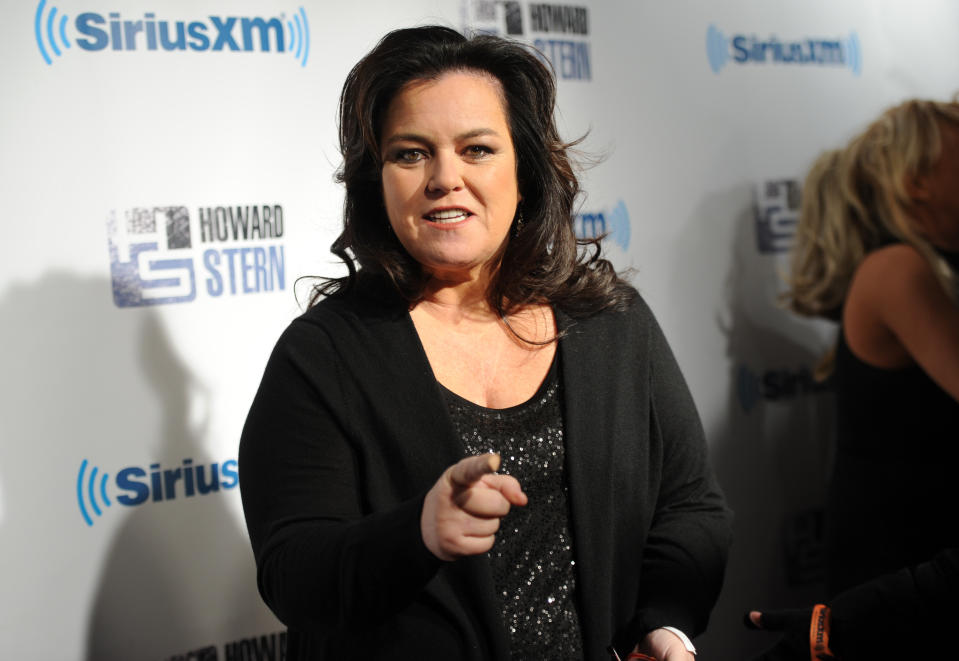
(85, 380)
(179, 575)
(770, 447)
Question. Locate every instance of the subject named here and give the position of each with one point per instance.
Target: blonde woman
(878, 251)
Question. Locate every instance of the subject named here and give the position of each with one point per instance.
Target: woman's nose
(445, 174)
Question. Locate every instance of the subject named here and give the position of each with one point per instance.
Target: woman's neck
(455, 300)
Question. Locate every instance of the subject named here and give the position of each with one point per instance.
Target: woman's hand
(664, 645)
(462, 511)
(805, 633)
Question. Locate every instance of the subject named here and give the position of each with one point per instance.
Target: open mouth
(447, 216)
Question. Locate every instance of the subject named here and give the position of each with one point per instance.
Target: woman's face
(940, 222)
(449, 173)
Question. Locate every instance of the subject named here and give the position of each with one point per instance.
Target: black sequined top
(532, 559)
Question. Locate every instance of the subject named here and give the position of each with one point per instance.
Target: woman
(878, 250)
(472, 326)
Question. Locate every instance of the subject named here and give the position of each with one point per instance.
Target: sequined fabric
(532, 560)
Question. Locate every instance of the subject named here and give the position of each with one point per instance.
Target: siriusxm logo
(745, 49)
(134, 485)
(613, 224)
(777, 215)
(152, 260)
(92, 32)
(775, 385)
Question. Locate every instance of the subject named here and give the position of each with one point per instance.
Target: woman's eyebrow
(407, 137)
(476, 133)
(416, 137)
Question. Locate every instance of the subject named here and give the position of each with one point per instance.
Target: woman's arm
(908, 612)
(322, 561)
(916, 606)
(685, 555)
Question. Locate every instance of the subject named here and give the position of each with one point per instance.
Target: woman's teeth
(449, 216)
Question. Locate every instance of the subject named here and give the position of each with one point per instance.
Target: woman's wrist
(687, 643)
(663, 643)
(639, 656)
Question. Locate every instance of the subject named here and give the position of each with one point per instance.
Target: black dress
(892, 514)
(893, 499)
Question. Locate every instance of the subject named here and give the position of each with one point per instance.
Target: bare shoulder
(897, 312)
(890, 288)
(893, 264)
(892, 275)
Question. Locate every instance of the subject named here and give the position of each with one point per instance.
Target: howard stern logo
(609, 223)
(776, 386)
(94, 32)
(133, 485)
(805, 51)
(271, 647)
(777, 215)
(559, 32)
(153, 261)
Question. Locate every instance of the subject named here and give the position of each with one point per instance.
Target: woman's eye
(478, 151)
(409, 156)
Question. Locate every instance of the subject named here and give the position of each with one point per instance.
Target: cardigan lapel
(440, 448)
(588, 465)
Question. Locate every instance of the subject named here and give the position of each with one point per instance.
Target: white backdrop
(136, 315)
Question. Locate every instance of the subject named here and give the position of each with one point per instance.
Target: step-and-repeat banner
(166, 171)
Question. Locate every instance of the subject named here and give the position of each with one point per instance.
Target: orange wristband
(819, 633)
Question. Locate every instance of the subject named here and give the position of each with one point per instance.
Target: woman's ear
(917, 186)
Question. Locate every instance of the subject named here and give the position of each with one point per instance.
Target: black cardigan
(348, 432)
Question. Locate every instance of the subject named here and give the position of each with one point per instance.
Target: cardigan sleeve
(322, 562)
(685, 555)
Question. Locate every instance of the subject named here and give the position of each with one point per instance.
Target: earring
(518, 223)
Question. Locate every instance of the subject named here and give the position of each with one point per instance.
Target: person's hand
(462, 511)
(795, 625)
(663, 645)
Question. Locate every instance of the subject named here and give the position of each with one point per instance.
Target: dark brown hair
(542, 261)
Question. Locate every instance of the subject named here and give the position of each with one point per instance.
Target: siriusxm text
(138, 485)
(590, 225)
(807, 51)
(218, 33)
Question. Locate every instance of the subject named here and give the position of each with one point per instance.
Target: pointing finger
(470, 470)
(509, 486)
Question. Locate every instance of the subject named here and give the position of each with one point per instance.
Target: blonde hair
(855, 200)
